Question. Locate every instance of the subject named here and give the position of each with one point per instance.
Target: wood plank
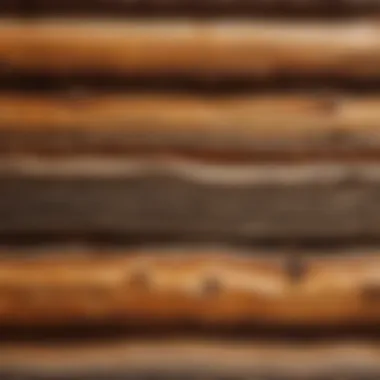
(230, 127)
(176, 359)
(195, 287)
(344, 49)
(189, 199)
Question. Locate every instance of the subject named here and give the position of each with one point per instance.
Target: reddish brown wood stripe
(191, 49)
(200, 287)
(249, 127)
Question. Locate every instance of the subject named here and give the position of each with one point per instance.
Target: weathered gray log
(189, 199)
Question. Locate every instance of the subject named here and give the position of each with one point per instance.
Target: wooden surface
(176, 359)
(231, 127)
(343, 49)
(198, 169)
(196, 287)
(152, 198)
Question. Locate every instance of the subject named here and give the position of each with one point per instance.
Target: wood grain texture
(191, 49)
(178, 359)
(241, 127)
(188, 199)
(197, 287)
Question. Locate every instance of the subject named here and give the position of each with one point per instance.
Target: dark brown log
(175, 198)
(235, 127)
(199, 287)
(191, 49)
(192, 360)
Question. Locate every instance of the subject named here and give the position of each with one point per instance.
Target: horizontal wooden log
(191, 49)
(198, 287)
(240, 127)
(178, 359)
(175, 198)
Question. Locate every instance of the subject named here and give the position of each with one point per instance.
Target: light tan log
(191, 49)
(131, 359)
(198, 286)
(237, 126)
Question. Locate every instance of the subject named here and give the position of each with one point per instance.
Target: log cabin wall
(189, 189)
